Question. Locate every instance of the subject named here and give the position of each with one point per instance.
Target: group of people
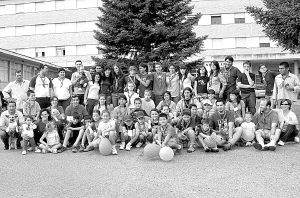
(175, 108)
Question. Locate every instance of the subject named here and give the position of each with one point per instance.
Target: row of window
(9, 68)
(48, 6)
(229, 18)
(82, 26)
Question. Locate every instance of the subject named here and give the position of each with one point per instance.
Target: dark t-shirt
(231, 76)
(202, 84)
(106, 86)
(182, 125)
(244, 80)
(218, 120)
(141, 87)
(78, 124)
(130, 127)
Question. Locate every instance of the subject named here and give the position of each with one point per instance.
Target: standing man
(159, 83)
(246, 82)
(62, 89)
(17, 90)
(286, 85)
(231, 74)
(144, 78)
(43, 87)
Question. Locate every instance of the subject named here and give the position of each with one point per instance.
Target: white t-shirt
(28, 130)
(248, 127)
(41, 85)
(106, 125)
(130, 99)
(290, 118)
(93, 91)
(52, 138)
(61, 88)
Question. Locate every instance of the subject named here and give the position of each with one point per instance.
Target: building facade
(61, 31)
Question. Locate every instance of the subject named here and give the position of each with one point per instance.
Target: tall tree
(281, 22)
(148, 30)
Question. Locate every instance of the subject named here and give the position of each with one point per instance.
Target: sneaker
(75, 149)
(280, 143)
(62, 149)
(206, 149)
(24, 152)
(81, 148)
(297, 139)
(128, 147)
(272, 148)
(139, 145)
(257, 146)
(88, 148)
(30, 149)
(114, 151)
(122, 146)
(191, 149)
(37, 150)
(54, 151)
(214, 150)
(44, 151)
(227, 147)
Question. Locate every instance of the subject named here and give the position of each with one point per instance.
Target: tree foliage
(281, 21)
(148, 30)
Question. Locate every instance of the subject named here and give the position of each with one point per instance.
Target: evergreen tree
(281, 22)
(148, 30)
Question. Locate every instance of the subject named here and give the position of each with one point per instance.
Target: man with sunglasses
(286, 85)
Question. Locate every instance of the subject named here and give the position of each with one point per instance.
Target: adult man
(4, 121)
(246, 82)
(222, 123)
(231, 74)
(99, 69)
(159, 83)
(266, 121)
(145, 79)
(62, 88)
(43, 87)
(286, 85)
(75, 107)
(17, 90)
(92, 70)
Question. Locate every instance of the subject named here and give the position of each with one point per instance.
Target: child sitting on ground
(142, 128)
(52, 139)
(185, 130)
(137, 109)
(153, 121)
(128, 133)
(248, 129)
(194, 114)
(147, 102)
(106, 129)
(27, 134)
(166, 110)
(206, 137)
(211, 95)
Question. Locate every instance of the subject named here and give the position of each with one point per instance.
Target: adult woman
(59, 114)
(118, 84)
(106, 84)
(173, 85)
(167, 101)
(92, 92)
(200, 85)
(267, 77)
(237, 106)
(185, 78)
(186, 100)
(288, 123)
(217, 81)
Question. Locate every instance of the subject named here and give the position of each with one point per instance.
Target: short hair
(156, 110)
(42, 66)
(28, 116)
(229, 58)
(48, 112)
(107, 67)
(87, 117)
(53, 97)
(75, 96)
(137, 99)
(205, 121)
(30, 92)
(78, 61)
(76, 116)
(247, 63)
(61, 69)
(220, 100)
(148, 91)
(18, 71)
(122, 96)
(105, 111)
(11, 101)
(144, 65)
(163, 115)
(285, 64)
(211, 91)
(192, 105)
(186, 112)
(248, 113)
(266, 100)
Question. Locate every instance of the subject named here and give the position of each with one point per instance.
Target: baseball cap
(127, 118)
(206, 101)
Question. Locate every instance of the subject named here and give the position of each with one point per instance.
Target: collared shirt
(31, 109)
(280, 91)
(41, 85)
(264, 120)
(62, 88)
(17, 91)
(4, 119)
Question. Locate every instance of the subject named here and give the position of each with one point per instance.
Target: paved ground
(242, 172)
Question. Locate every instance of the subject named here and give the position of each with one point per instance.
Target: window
(40, 6)
(4, 71)
(40, 52)
(240, 42)
(59, 5)
(239, 18)
(29, 7)
(216, 20)
(60, 51)
(264, 42)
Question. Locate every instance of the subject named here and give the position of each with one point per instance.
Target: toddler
(27, 134)
(248, 129)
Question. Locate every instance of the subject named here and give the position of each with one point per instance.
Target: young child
(137, 109)
(153, 121)
(194, 114)
(102, 104)
(185, 130)
(131, 96)
(119, 113)
(166, 135)
(147, 102)
(248, 128)
(75, 130)
(142, 128)
(128, 133)
(27, 134)
(208, 110)
(206, 137)
(166, 110)
(52, 139)
(90, 129)
(106, 129)
(30, 106)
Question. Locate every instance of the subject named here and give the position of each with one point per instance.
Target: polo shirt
(41, 86)
(264, 120)
(62, 88)
(17, 91)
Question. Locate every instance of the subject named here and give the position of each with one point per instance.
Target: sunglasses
(284, 104)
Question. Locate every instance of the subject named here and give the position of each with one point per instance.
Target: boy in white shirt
(147, 102)
(248, 129)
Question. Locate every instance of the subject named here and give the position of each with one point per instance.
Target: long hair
(110, 77)
(215, 63)
(238, 97)
(198, 70)
(93, 78)
(259, 72)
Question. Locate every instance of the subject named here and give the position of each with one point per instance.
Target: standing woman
(267, 77)
(200, 85)
(92, 92)
(159, 83)
(106, 84)
(173, 85)
(118, 84)
(185, 78)
(145, 79)
(217, 81)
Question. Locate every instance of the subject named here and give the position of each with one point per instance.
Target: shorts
(266, 134)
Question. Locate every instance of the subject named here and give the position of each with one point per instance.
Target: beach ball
(105, 147)
(151, 150)
(166, 154)
(248, 137)
(210, 142)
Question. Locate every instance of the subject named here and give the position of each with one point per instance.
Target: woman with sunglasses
(288, 123)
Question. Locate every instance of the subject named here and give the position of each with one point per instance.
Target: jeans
(250, 102)
(26, 141)
(91, 103)
(44, 102)
(64, 103)
(289, 133)
(115, 99)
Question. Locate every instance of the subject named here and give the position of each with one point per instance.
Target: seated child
(166, 134)
(248, 129)
(128, 133)
(194, 114)
(27, 135)
(166, 110)
(208, 111)
(106, 129)
(153, 121)
(147, 102)
(185, 130)
(30, 106)
(52, 139)
(131, 95)
(137, 108)
(206, 137)
(142, 129)
(75, 131)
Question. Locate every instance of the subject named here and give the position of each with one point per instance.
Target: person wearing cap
(208, 111)
(185, 128)
(62, 88)
(128, 133)
(142, 129)
(222, 123)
